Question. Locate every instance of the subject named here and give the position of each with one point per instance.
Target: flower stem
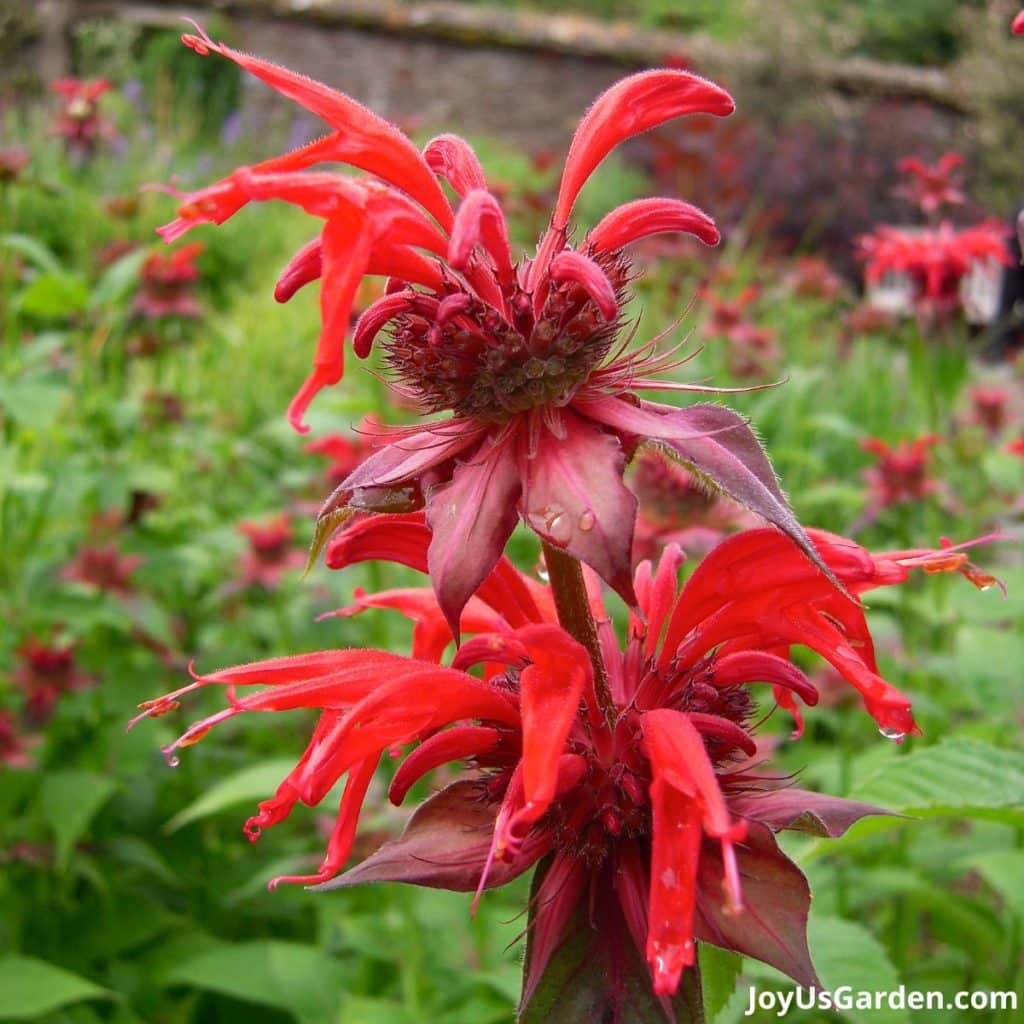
(574, 615)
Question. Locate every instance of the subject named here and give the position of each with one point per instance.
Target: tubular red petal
(363, 139)
(343, 835)
(550, 691)
(675, 858)
(570, 265)
(662, 591)
(455, 744)
(305, 266)
(634, 105)
(723, 729)
(380, 313)
(453, 159)
(645, 217)
(762, 667)
(294, 668)
(480, 221)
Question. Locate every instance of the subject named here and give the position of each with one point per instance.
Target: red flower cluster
(647, 803)
(901, 475)
(933, 186)
(79, 121)
(13, 160)
(167, 282)
(624, 771)
(935, 259)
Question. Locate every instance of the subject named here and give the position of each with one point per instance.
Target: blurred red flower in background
(752, 349)
(103, 567)
(79, 121)
(13, 160)
(935, 259)
(990, 407)
(902, 472)
(46, 671)
(812, 277)
(930, 187)
(272, 552)
(675, 509)
(14, 744)
(167, 282)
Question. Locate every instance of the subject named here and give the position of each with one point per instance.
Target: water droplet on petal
(892, 734)
(587, 520)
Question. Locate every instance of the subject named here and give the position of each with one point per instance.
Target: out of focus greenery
(128, 893)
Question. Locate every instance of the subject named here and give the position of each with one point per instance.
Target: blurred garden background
(155, 506)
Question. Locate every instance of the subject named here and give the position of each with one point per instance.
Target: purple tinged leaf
(803, 811)
(772, 926)
(718, 445)
(471, 517)
(407, 456)
(444, 846)
(574, 498)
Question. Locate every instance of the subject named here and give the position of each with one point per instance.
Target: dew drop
(558, 526)
(892, 734)
(587, 521)
(171, 759)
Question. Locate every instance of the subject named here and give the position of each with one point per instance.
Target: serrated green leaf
(254, 783)
(849, 957)
(956, 777)
(68, 801)
(31, 988)
(719, 972)
(300, 979)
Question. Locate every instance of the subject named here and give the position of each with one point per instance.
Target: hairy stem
(566, 578)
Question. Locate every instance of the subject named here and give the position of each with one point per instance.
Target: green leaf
(958, 777)
(719, 972)
(254, 783)
(33, 250)
(1003, 870)
(57, 294)
(34, 403)
(31, 988)
(68, 801)
(848, 956)
(367, 1010)
(299, 979)
(118, 282)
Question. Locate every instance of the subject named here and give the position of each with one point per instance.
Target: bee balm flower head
(543, 400)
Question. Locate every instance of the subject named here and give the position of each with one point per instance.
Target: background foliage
(128, 893)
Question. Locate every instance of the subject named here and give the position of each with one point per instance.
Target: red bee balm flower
(166, 282)
(271, 552)
(644, 801)
(79, 120)
(43, 674)
(935, 259)
(931, 187)
(544, 410)
(103, 567)
(901, 475)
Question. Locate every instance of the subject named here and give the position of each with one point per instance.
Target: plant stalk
(574, 615)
